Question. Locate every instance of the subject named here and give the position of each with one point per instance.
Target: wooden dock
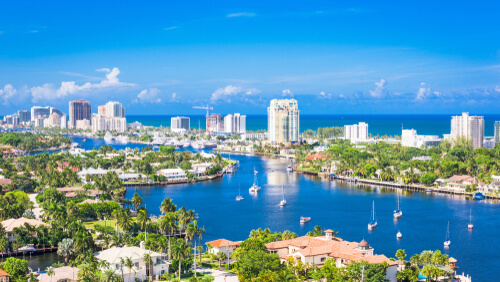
(21, 253)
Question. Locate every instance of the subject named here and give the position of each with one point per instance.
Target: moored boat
(447, 242)
(283, 202)
(470, 226)
(398, 213)
(479, 196)
(399, 235)
(373, 222)
(304, 219)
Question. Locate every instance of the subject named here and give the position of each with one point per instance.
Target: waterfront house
(140, 270)
(4, 276)
(222, 245)
(10, 224)
(461, 182)
(198, 170)
(173, 174)
(61, 274)
(71, 192)
(493, 187)
(318, 249)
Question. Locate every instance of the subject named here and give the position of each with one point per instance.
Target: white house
(136, 254)
(173, 174)
(222, 245)
(199, 169)
(61, 274)
(318, 249)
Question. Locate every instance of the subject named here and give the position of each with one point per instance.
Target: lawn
(109, 222)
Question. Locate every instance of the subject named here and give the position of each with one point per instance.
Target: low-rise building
(173, 174)
(61, 274)
(140, 270)
(222, 245)
(461, 182)
(410, 138)
(4, 276)
(10, 224)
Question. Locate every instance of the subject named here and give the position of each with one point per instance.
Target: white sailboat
(255, 171)
(399, 235)
(283, 202)
(398, 213)
(447, 243)
(470, 226)
(239, 197)
(255, 187)
(373, 222)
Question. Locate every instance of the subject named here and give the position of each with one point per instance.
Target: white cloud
(423, 92)
(224, 94)
(148, 96)
(379, 90)
(7, 93)
(497, 89)
(242, 14)
(324, 95)
(171, 28)
(287, 92)
(174, 98)
(49, 92)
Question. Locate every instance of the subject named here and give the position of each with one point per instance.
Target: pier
(21, 253)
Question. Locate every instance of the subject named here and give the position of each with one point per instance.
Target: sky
(164, 57)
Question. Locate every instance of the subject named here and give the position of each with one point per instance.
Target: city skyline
(335, 58)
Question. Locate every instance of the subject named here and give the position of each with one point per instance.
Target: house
(316, 156)
(4, 276)
(199, 169)
(71, 192)
(140, 269)
(222, 245)
(92, 171)
(61, 274)
(318, 249)
(132, 176)
(10, 224)
(493, 187)
(173, 174)
(461, 182)
(4, 182)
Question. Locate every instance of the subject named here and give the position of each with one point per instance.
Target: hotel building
(470, 127)
(356, 132)
(178, 124)
(79, 110)
(283, 121)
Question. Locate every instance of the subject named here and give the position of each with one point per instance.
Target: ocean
(377, 124)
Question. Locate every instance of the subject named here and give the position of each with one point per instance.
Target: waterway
(344, 207)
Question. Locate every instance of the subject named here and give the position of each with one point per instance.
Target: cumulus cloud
(7, 93)
(242, 14)
(148, 96)
(287, 92)
(224, 94)
(174, 98)
(379, 90)
(49, 92)
(324, 95)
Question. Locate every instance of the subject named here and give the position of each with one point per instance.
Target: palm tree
(130, 265)
(400, 254)
(136, 201)
(199, 249)
(167, 224)
(122, 264)
(66, 248)
(316, 232)
(147, 261)
(50, 272)
(193, 232)
(143, 218)
(180, 251)
(221, 256)
(167, 206)
(109, 275)
(287, 235)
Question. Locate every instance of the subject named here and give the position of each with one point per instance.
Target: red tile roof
(3, 273)
(223, 243)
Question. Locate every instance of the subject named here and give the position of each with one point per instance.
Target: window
(323, 259)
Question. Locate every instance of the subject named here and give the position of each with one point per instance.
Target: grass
(307, 168)
(211, 265)
(109, 222)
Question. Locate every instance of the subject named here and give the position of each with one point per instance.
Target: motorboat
(27, 248)
(447, 242)
(428, 191)
(289, 168)
(478, 196)
(470, 226)
(304, 220)
(399, 235)
(398, 213)
(108, 137)
(373, 222)
(254, 189)
(283, 202)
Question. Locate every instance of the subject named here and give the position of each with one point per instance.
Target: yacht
(239, 197)
(447, 243)
(254, 189)
(108, 137)
(27, 248)
(373, 222)
(122, 139)
(283, 202)
(289, 168)
(398, 213)
(304, 220)
(479, 196)
(470, 226)
(399, 235)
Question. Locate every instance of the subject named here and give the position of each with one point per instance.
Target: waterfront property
(222, 245)
(10, 224)
(4, 276)
(61, 274)
(140, 269)
(173, 174)
(461, 182)
(317, 249)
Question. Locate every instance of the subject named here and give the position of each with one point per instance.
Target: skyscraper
(283, 121)
(114, 109)
(356, 132)
(24, 116)
(235, 123)
(470, 127)
(216, 123)
(79, 110)
(179, 124)
(37, 111)
(497, 132)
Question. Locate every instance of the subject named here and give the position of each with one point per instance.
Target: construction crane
(207, 108)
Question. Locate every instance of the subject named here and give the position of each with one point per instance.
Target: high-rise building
(497, 131)
(102, 123)
(7, 119)
(470, 127)
(179, 124)
(235, 123)
(37, 111)
(216, 123)
(101, 110)
(283, 121)
(356, 132)
(64, 121)
(114, 109)
(15, 119)
(84, 124)
(54, 120)
(24, 116)
(79, 110)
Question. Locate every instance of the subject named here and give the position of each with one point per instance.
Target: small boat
(478, 196)
(373, 223)
(84, 140)
(27, 248)
(470, 226)
(304, 220)
(398, 213)
(239, 197)
(399, 235)
(447, 243)
(254, 189)
(428, 191)
(283, 202)
(289, 168)
(255, 171)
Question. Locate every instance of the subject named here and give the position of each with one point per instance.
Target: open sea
(377, 124)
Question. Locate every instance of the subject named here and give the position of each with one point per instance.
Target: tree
(180, 251)
(167, 206)
(317, 231)
(136, 201)
(431, 271)
(428, 178)
(220, 257)
(130, 265)
(254, 262)
(50, 272)
(407, 275)
(17, 268)
(66, 249)
(400, 254)
(194, 232)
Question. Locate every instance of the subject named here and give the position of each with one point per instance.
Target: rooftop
(12, 223)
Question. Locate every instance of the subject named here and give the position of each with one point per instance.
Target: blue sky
(163, 57)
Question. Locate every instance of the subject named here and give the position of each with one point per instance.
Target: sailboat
(398, 213)
(283, 202)
(255, 171)
(255, 188)
(373, 223)
(470, 226)
(448, 241)
(239, 197)
(399, 235)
